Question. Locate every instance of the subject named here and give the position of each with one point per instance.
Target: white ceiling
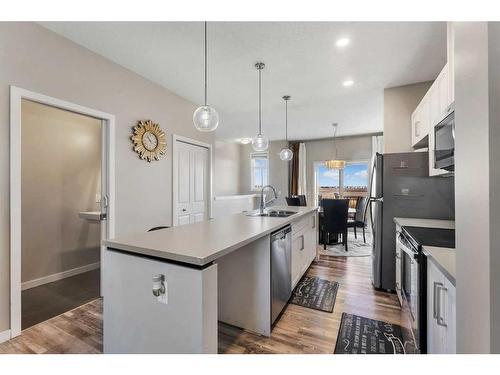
(301, 60)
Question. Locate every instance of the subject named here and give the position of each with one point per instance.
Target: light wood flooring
(299, 330)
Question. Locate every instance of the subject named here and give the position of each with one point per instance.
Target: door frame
(175, 173)
(107, 153)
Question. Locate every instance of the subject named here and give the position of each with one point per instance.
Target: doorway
(192, 182)
(62, 205)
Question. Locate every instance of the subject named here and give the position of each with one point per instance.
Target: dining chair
(292, 201)
(359, 220)
(157, 228)
(335, 219)
(296, 200)
(302, 200)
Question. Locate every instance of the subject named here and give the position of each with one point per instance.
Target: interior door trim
(175, 173)
(17, 94)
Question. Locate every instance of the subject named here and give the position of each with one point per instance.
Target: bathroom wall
(60, 176)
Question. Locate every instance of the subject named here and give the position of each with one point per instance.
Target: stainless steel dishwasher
(281, 270)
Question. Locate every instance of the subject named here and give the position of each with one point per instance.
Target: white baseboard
(4, 336)
(59, 276)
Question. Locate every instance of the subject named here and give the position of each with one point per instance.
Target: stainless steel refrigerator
(400, 186)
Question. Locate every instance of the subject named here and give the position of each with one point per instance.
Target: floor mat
(359, 335)
(315, 293)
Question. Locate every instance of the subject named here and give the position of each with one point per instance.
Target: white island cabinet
(165, 291)
(441, 314)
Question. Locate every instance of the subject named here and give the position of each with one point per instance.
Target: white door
(192, 183)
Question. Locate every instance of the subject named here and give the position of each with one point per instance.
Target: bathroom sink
(273, 213)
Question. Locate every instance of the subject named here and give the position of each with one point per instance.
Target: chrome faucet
(263, 203)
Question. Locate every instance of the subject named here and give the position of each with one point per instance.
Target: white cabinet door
(420, 123)
(435, 334)
(303, 246)
(441, 315)
(449, 310)
(191, 168)
(298, 243)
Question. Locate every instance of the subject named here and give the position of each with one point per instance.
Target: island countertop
(203, 242)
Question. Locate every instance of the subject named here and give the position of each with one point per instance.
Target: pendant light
(260, 143)
(205, 118)
(286, 154)
(335, 163)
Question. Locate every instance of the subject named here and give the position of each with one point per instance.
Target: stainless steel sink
(273, 213)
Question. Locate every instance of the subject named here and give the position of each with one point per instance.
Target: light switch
(98, 198)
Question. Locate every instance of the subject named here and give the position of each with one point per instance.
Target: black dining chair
(157, 228)
(359, 217)
(302, 200)
(292, 201)
(296, 200)
(335, 219)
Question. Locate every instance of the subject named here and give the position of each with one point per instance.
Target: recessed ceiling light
(348, 82)
(245, 141)
(342, 42)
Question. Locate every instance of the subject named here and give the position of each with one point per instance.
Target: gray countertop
(425, 223)
(203, 242)
(444, 259)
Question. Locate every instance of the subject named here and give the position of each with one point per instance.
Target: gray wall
(494, 100)
(357, 148)
(477, 183)
(278, 169)
(227, 157)
(36, 59)
(399, 104)
(61, 175)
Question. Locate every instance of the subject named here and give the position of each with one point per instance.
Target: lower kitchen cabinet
(303, 246)
(441, 312)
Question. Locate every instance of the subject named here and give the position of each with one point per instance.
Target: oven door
(410, 293)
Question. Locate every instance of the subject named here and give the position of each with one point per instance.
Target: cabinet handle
(435, 298)
(440, 318)
(302, 239)
(417, 132)
(397, 286)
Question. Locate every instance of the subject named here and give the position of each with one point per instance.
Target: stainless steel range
(413, 278)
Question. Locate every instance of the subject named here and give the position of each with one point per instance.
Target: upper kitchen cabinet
(431, 109)
(420, 120)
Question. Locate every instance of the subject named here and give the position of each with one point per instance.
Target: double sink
(272, 213)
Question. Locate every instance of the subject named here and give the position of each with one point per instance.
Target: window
(259, 170)
(351, 182)
(327, 181)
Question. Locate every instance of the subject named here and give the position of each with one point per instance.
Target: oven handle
(407, 249)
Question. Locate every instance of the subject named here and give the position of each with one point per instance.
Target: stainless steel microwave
(444, 143)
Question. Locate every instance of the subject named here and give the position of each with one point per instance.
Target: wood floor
(299, 330)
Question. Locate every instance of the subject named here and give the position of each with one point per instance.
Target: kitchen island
(165, 291)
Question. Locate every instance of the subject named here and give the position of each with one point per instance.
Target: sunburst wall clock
(149, 140)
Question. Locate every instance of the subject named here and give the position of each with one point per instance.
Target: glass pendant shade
(260, 143)
(335, 164)
(286, 154)
(205, 119)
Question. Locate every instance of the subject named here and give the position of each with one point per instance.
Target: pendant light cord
(286, 121)
(205, 63)
(260, 101)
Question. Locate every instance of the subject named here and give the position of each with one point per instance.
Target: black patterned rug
(315, 293)
(359, 335)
